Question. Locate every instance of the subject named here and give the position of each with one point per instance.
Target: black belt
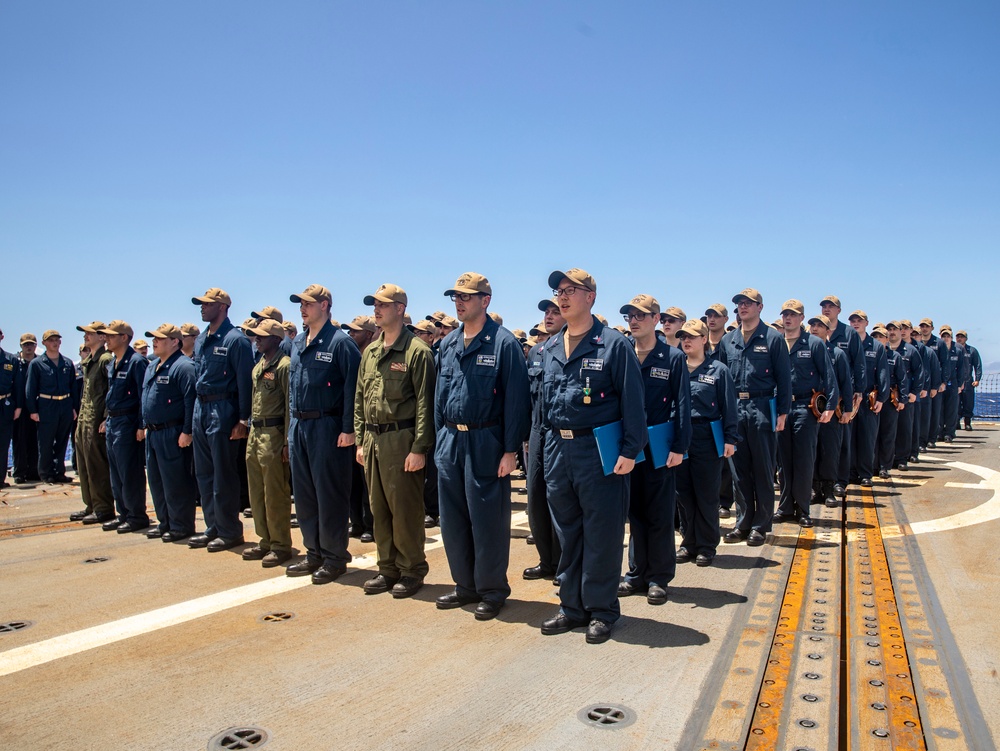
(755, 394)
(315, 414)
(267, 422)
(463, 427)
(214, 397)
(123, 412)
(390, 427)
(701, 421)
(800, 397)
(164, 425)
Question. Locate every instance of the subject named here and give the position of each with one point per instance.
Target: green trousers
(93, 470)
(267, 478)
(397, 501)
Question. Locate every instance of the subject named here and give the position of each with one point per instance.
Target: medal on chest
(586, 392)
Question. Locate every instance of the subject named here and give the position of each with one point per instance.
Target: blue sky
(149, 151)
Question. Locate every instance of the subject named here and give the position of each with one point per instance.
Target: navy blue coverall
(223, 364)
(812, 371)
(934, 433)
(653, 491)
(123, 406)
(10, 400)
(323, 378)
(845, 338)
(168, 399)
(922, 404)
(932, 366)
(889, 417)
(974, 367)
(481, 412)
(955, 376)
(864, 427)
(832, 434)
(761, 371)
(713, 397)
(598, 384)
(539, 515)
(53, 392)
(914, 367)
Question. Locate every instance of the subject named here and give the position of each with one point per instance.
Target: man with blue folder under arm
(591, 378)
(653, 489)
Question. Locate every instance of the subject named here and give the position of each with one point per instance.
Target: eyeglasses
(464, 296)
(569, 290)
(670, 319)
(637, 316)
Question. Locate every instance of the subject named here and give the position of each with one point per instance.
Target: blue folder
(720, 443)
(773, 401)
(609, 446)
(661, 440)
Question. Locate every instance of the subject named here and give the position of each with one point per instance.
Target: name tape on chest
(709, 379)
(220, 351)
(397, 367)
(760, 348)
(324, 356)
(122, 375)
(163, 379)
(488, 360)
(842, 345)
(870, 354)
(662, 373)
(805, 353)
(593, 363)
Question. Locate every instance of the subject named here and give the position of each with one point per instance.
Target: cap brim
(736, 300)
(630, 306)
(462, 291)
(200, 300)
(544, 305)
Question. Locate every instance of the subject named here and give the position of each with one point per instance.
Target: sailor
(91, 452)
(954, 377)
(591, 379)
(864, 432)
(758, 361)
(833, 433)
(51, 398)
(168, 399)
(481, 416)
(672, 319)
(271, 313)
(889, 416)
(974, 367)
(25, 428)
(913, 365)
(10, 403)
(812, 375)
(920, 390)
(934, 344)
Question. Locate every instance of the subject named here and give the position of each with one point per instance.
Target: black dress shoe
(805, 522)
(430, 521)
(561, 624)
(254, 553)
(902, 467)
(326, 574)
(656, 595)
(530, 540)
(948, 439)
(248, 513)
(627, 589)
(294, 522)
(367, 537)
(883, 474)
(782, 518)
(455, 600)
(224, 543)
(839, 490)
(154, 533)
(538, 572)
(275, 558)
(724, 513)
(756, 538)
(737, 535)
(78, 516)
(407, 586)
(303, 568)
(174, 536)
(832, 501)
(199, 541)
(683, 555)
(866, 483)
(704, 559)
(111, 525)
(598, 632)
(488, 610)
(379, 584)
(126, 527)
(97, 518)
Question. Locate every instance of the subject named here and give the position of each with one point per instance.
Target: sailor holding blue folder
(591, 379)
(652, 491)
(713, 439)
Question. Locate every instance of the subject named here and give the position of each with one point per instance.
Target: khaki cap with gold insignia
(313, 293)
(140, 343)
(538, 328)
(750, 294)
(906, 323)
(643, 303)
(718, 309)
(793, 306)
(927, 322)
(165, 331)
(470, 283)
(858, 314)
(448, 322)
(577, 276)
(119, 327)
(270, 312)
(359, 323)
(91, 328)
(694, 327)
(289, 327)
(820, 319)
(213, 295)
(547, 303)
(51, 334)
(28, 338)
(894, 325)
(189, 329)
(267, 327)
(833, 299)
(425, 326)
(387, 293)
(437, 315)
(880, 331)
(674, 312)
(946, 329)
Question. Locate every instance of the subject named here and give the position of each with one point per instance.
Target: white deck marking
(39, 653)
(984, 512)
